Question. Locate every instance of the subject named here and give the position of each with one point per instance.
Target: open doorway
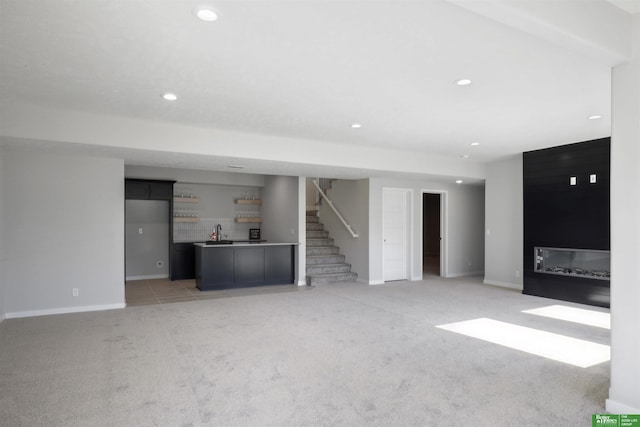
(431, 235)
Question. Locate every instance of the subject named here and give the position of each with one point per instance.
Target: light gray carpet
(345, 355)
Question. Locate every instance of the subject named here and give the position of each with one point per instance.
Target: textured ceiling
(631, 6)
(308, 69)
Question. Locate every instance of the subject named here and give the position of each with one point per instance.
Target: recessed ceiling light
(170, 96)
(235, 166)
(459, 181)
(595, 117)
(206, 14)
(356, 126)
(474, 144)
(463, 82)
(465, 156)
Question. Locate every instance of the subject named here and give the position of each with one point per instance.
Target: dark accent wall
(557, 214)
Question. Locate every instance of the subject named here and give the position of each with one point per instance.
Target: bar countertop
(237, 243)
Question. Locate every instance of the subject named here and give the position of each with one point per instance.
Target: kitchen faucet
(219, 232)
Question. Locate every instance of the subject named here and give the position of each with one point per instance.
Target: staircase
(324, 262)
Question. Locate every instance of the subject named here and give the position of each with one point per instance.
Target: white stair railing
(330, 203)
(325, 185)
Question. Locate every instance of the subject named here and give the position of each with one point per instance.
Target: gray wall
(64, 228)
(194, 176)
(281, 214)
(311, 194)
(464, 225)
(2, 239)
(465, 228)
(147, 254)
(504, 223)
(280, 209)
(351, 198)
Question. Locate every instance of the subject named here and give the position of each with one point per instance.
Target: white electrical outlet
(139, 230)
(76, 292)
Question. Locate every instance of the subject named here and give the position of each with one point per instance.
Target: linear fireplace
(586, 263)
(566, 207)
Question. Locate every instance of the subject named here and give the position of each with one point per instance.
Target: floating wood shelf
(186, 199)
(185, 219)
(248, 201)
(248, 219)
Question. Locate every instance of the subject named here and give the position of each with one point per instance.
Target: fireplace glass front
(586, 263)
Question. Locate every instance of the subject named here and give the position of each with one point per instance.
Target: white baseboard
(502, 284)
(302, 282)
(64, 310)
(154, 276)
(375, 282)
(614, 407)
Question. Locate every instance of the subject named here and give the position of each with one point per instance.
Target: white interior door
(395, 226)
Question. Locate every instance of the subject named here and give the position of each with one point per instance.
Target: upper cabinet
(140, 189)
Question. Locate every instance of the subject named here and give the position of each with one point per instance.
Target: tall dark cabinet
(567, 222)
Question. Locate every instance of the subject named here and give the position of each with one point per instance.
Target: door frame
(408, 193)
(444, 235)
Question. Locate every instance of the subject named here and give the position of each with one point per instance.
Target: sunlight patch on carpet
(576, 315)
(557, 347)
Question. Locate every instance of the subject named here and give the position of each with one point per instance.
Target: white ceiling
(630, 6)
(308, 69)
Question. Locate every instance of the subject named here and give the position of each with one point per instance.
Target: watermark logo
(604, 420)
(622, 420)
